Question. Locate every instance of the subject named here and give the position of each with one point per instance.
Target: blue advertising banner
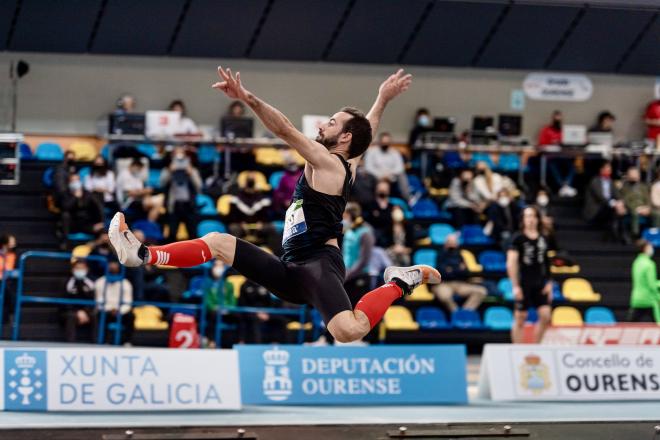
(381, 375)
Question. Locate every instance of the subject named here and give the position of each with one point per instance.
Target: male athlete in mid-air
(311, 270)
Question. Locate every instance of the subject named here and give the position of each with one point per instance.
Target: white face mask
(217, 272)
(79, 274)
(503, 201)
(542, 200)
(424, 121)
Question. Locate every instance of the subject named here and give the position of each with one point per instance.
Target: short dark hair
(179, 103)
(4, 239)
(360, 127)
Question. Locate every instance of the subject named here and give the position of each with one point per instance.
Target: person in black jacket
(79, 286)
(80, 210)
(253, 326)
(603, 205)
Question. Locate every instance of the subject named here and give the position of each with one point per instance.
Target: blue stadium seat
(425, 209)
(439, 232)
(493, 261)
(208, 226)
(80, 237)
(207, 153)
(47, 177)
(416, 185)
(195, 287)
(508, 162)
(151, 230)
(453, 159)
(430, 318)
(105, 152)
(278, 225)
(482, 157)
(474, 235)
(425, 256)
(652, 235)
(599, 315)
(403, 205)
(148, 150)
(84, 172)
(49, 151)
(25, 152)
(498, 318)
(274, 179)
(205, 205)
(154, 179)
(505, 287)
(466, 319)
(557, 296)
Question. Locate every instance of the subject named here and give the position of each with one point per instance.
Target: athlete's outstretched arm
(274, 120)
(393, 86)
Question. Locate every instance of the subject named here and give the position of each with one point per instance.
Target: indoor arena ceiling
(597, 36)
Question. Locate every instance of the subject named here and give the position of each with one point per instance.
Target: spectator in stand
(357, 247)
(79, 286)
(181, 182)
(636, 196)
(542, 201)
(133, 195)
(401, 248)
(364, 188)
(218, 292)
(379, 215)
(487, 183)
(562, 169)
(655, 195)
(652, 120)
(236, 109)
(62, 175)
(455, 279)
(101, 247)
(645, 297)
(116, 289)
(186, 125)
(422, 125)
(80, 211)
(252, 327)
(503, 218)
(604, 123)
(528, 267)
(7, 263)
(126, 104)
(463, 201)
(385, 162)
(101, 183)
(283, 194)
(603, 205)
(248, 214)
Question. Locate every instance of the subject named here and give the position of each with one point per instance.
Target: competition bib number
(294, 221)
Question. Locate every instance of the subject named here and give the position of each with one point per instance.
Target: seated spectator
(218, 292)
(261, 326)
(61, 176)
(101, 183)
(463, 201)
(379, 215)
(542, 201)
(422, 125)
(237, 124)
(80, 211)
(181, 182)
(604, 123)
(357, 248)
(562, 169)
(133, 195)
(455, 279)
(126, 104)
(652, 120)
(116, 288)
(487, 183)
(79, 286)
(645, 296)
(102, 248)
(385, 162)
(637, 198)
(8, 262)
(603, 205)
(186, 125)
(283, 194)
(401, 248)
(364, 188)
(503, 217)
(248, 214)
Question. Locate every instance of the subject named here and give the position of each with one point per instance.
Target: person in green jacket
(645, 297)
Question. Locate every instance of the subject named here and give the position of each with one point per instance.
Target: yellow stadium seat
(269, 156)
(260, 181)
(566, 316)
(84, 151)
(295, 325)
(399, 318)
(471, 261)
(565, 270)
(149, 318)
(236, 281)
(579, 289)
(182, 233)
(80, 251)
(421, 293)
(426, 241)
(297, 157)
(224, 204)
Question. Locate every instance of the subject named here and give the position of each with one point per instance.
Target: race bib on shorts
(294, 221)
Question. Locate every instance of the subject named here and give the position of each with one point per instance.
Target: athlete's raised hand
(395, 85)
(230, 84)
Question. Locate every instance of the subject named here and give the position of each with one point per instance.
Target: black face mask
(99, 169)
(480, 172)
(384, 147)
(382, 195)
(250, 183)
(556, 125)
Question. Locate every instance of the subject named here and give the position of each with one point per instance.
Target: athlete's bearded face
(330, 132)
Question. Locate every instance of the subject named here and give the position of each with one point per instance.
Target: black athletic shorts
(533, 296)
(317, 281)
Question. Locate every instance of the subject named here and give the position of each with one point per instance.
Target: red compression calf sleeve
(187, 253)
(374, 304)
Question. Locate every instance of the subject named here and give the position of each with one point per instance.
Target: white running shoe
(124, 242)
(413, 276)
(567, 191)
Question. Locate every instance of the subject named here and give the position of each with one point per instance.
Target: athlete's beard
(327, 142)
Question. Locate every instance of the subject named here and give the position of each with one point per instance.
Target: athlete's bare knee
(345, 327)
(222, 246)
(344, 334)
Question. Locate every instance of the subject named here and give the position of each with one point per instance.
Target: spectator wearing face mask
(133, 195)
(181, 182)
(248, 214)
(186, 125)
(357, 248)
(562, 169)
(283, 194)
(101, 183)
(603, 206)
(385, 162)
(463, 201)
(80, 211)
(115, 289)
(487, 183)
(636, 196)
(455, 279)
(62, 175)
(79, 286)
(502, 218)
(542, 201)
(401, 248)
(422, 125)
(379, 215)
(364, 188)
(218, 292)
(645, 296)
